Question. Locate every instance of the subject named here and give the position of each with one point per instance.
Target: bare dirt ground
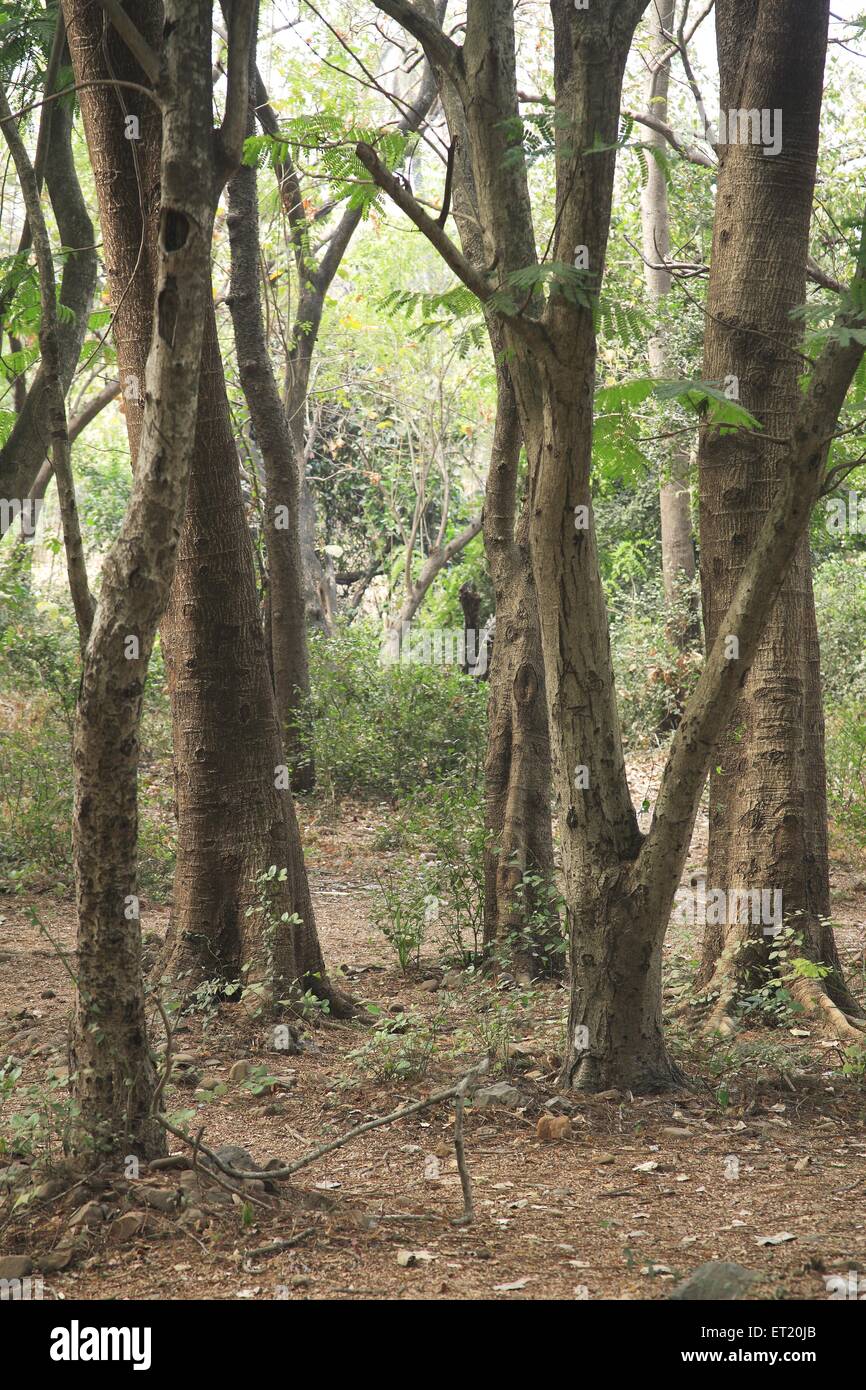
(761, 1160)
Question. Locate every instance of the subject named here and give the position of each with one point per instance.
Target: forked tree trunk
(619, 884)
(768, 808)
(234, 807)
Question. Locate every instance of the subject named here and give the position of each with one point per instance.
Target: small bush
(385, 730)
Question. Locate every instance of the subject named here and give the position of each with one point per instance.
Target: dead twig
(277, 1246)
(288, 1170)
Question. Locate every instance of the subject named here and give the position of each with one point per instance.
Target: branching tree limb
(55, 394)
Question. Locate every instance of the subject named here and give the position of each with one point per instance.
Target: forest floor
(760, 1160)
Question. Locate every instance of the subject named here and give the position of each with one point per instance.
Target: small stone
(194, 1219)
(53, 1188)
(56, 1260)
(124, 1227)
(560, 1105)
(15, 1266)
(158, 1198)
(674, 1132)
(717, 1279)
(210, 1083)
(91, 1214)
(235, 1157)
(499, 1094)
(240, 1071)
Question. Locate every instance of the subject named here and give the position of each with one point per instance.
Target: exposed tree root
(827, 1004)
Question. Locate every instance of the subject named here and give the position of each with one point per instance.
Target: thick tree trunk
(768, 812)
(619, 884)
(517, 767)
(678, 551)
(234, 806)
(114, 1077)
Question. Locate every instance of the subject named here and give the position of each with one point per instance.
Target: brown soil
(639, 1192)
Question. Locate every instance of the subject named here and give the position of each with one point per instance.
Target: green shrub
(846, 769)
(840, 604)
(386, 729)
(654, 678)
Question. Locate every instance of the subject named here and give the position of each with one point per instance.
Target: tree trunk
(517, 766)
(234, 806)
(768, 812)
(678, 551)
(285, 630)
(619, 884)
(114, 1077)
(318, 597)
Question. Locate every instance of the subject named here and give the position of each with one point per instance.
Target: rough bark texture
(768, 810)
(619, 884)
(517, 768)
(234, 821)
(115, 1081)
(317, 601)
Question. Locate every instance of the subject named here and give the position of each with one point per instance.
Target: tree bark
(234, 808)
(619, 884)
(517, 765)
(286, 618)
(316, 601)
(768, 809)
(114, 1077)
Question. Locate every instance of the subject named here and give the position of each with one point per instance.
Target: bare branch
(442, 53)
(241, 16)
(135, 41)
(452, 256)
(49, 342)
